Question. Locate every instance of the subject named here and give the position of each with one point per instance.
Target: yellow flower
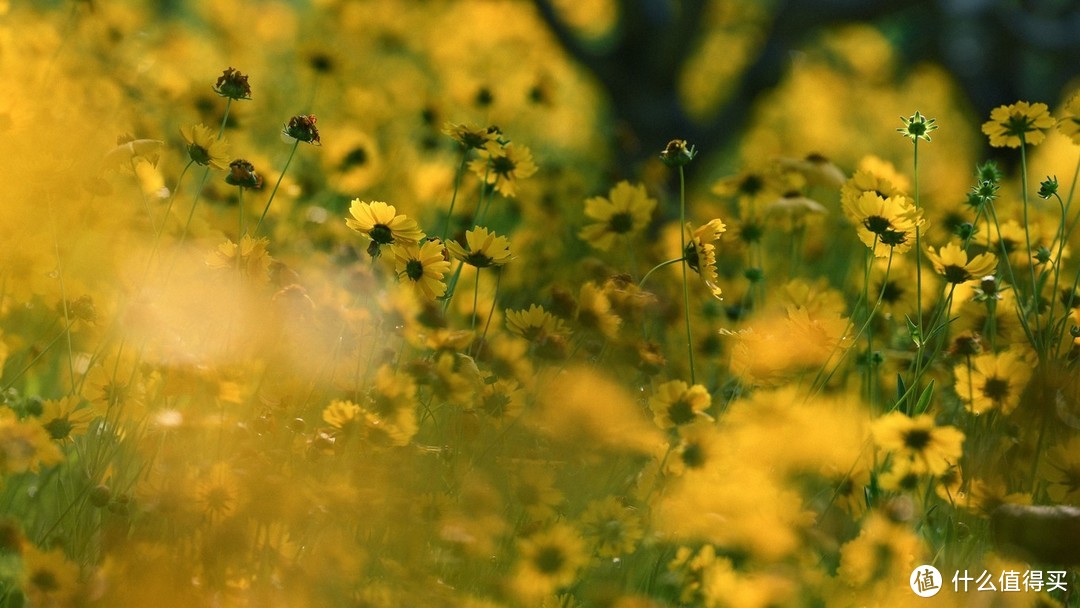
(883, 552)
(700, 252)
(549, 560)
(342, 415)
(677, 403)
(612, 528)
(1063, 472)
(624, 213)
(423, 266)
(502, 165)
(380, 222)
(952, 263)
(470, 137)
(250, 257)
(204, 147)
(48, 578)
(1019, 122)
(992, 381)
(217, 492)
(534, 323)
(24, 447)
(888, 222)
(535, 491)
(485, 248)
(64, 419)
(594, 311)
(1069, 124)
(928, 447)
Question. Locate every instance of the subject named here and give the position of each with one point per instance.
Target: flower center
(381, 234)
(956, 274)
(414, 269)
(356, 157)
(892, 238)
(503, 165)
(549, 560)
(877, 224)
(996, 389)
(916, 440)
(621, 223)
(680, 412)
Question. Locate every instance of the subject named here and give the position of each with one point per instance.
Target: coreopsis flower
(301, 128)
(890, 222)
(594, 311)
(917, 127)
(1019, 122)
(48, 578)
(884, 550)
(203, 146)
(880, 183)
(233, 84)
(700, 253)
(381, 223)
(535, 491)
(485, 248)
(549, 560)
(242, 174)
(502, 400)
(678, 153)
(250, 256)
(625, 212)
(24, 446)
(1069, 124)
(611, 528)
(534, 323)
(423, 266)
(64, 419)
(470, 137)
(928, 448)
(993, 380)
(502, 165)
(343, 415)
(217, 493)
(676, 403)
(952, 263)
(1063, 472)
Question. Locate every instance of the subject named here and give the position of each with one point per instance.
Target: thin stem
(491, 313)
(453, 197)
(225, 118)
(475, 296)
(641, 283)
(1027, 238)
(274, 191)
(63, 296)
(685, 284)
(240, 206)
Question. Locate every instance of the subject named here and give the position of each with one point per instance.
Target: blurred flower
(380, 222)
(890, 222)
(1021, 121)
(242, 174)
(1048, 187)
(594, 311)
(217, 493)
(625, 212)
(676, 403)
(352, 161)
(423, 266)
(678, 153)
(952, 263)
(928, 447)
(1063, 472)
(612, 528)
(250, 256)
(549, 560)
(233, 84)
(502, 400)
(502, 165)
(204, 147)
(884, 551)
(64, 419)
(534, 489)
(485, 248)
(917, 127)
(993, 380)
(1069, 124)
(534, 323)
(470, 137)
(48, 578)
(24, 446)
(301, 128)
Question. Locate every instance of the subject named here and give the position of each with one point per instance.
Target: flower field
(399, 304)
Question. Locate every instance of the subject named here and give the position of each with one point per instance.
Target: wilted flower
(242, 174)
(678, 153)
(233, 84)
(301, 128)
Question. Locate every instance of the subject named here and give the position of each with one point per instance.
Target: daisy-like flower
(64, 419)
(24, 446)
(250, 256)
(549, 560)
(535, 491)
(700, 252)
(952, 263)
(485, 248)
(1069, 124)
(301, 128)
(534, 323)
(890, 222)
(217, 493)
(343, 415)
(992, 381)
(48, 578)
(612, 528)
(233, 84)
(204, 148)
(594, 311)
(381, 223)
(676, 403)
(502, 165)
(1019, 122)
(470, 137)
(624, 213)
(918, 126)
(1063, 472)
(928, 448)
(424, 266)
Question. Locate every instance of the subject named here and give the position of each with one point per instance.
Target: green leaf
(900, 388)
(924, 399)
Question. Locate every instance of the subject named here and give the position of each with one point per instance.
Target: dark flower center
(414, 269)
(550, 560)
(621, 223)
(916, 440)
(356, 157)
(680, 412)
(479, 260)
(996, 389)
(502, 165)
(956, 274)
(891, 292)
(877, 224)
(892, 238)
(751, 185)
(59, 428)
(45, 581)
(381, 234)
(693, 456)
(495, 405)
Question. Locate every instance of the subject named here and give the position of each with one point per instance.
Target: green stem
(918, 268)
(475, 296)
(1027, 238)
(453, 197)
(641, 283)
(491, 313)
(240, 206)
(274, 191)
(685, 284)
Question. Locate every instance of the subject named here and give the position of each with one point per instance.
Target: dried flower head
(301, 128)
(233, 84)
(678, 153)
(242, 174)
